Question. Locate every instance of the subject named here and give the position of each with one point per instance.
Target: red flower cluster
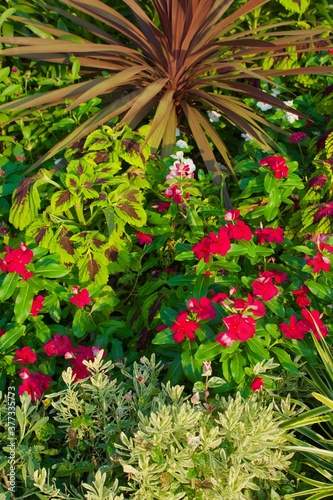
(277, 164)
(252, 305)
(215, 244)
(264, 286)
(301, 298)
(59, 345)
(319, 262)
(144, 239)
(239, 231)
(25, 355)
(15, 260)
(33, 383)
(37, 305)
(80, 299)
(239, 327)
(203, 308)
(311, 323)
(269, 235)
(174, 193)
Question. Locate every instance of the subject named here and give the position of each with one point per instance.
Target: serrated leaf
(93, 266)
(132, 213)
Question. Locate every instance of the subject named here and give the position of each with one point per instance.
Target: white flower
(288, 103)
(291, 117)
(275, 92)
(213, 116)
(177, 132)
(247, 137)
(264, 106)
(181, 144)
(178, 156)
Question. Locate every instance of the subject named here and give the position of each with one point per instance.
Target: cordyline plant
(196, 58)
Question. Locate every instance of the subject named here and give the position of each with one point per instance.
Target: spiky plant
(195, 58)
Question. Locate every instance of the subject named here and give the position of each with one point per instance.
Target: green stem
(79, 213)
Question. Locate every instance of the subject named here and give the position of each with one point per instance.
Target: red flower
(257, 384)
(219, 297)
(183, 327)
(295, 330)
(37, 305)
(253, 305)
(26, 275)
(58, 345)
(34, 384)
(16, 260)
(220, 243)
(316, 326)
(302, 300)
(81, 299)
(319, 262)
(264, 287)
(202, 249)
(174, 193)
(80, 354)
(2, 332)
(239, 327)
(232, 215)
(25, 355)
(278, 276)
(162, 206)
(144, 239)
(239, 231)
(277, 164)
(269, 235)
(204, 308)
(297, 136)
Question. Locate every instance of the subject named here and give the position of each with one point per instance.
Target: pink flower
(315, 324)
(257, 384)
(59, 345)
(37, 305)
(34, 384)
(204, 308)
(144, 239)
(25, 355)
(81, 299)
(183, 327)
(269, 235)
(295, 330)
(239, 231)
(277, 164)
(297, 136)
(319, 262)
(174, 193)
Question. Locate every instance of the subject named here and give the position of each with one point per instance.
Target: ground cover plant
(123, 274)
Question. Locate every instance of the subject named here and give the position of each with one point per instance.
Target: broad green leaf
(237, 364)
(185, 256)
(208, 351)
(168, 316)
(320, 290)
(48, 268)
(117, 352)
(11, 337)
(257, 347)
(285, 360)
(195, 223)
(201, 286)
(8, 286)
(23, 302)
(175, 371)
(82, 323)
(164, 337)
(191, 366)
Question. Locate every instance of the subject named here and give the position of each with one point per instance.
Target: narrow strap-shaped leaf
(160, 120)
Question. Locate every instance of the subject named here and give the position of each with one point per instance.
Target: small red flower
(58, 345)
(162, 206)
(239, 327)
(277, 164)
(269, 235)
(204, 308)
(2, 332)
(202, 249)
(25, 355)
(174, 193)
(81, 299)
(144, 239)
(220, 243)
(34, 384)
(80, 354)
(27, 275)
(264, 287)
(183, 327)
(319, 262)
(301, 299)
(316, 326)
(37, 305)
(257, 384)
(218, 298)
(15, 260)
(295, 330)
(239, 231)
(232, 215)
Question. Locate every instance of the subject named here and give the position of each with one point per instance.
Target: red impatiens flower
(183, 327)
(277, 164)
(15, 260)
(25, 355)
(264, 287)
(269, 235)
(295, 330)
(319, 262)
(315, 324)
(257, 384)
(239, 327)
(301, 298)
(202, 249)
(33, 383)
(203, 308)
(37, 305)
(58, 345)
(80, 299)
(144, 239)
(239, 231)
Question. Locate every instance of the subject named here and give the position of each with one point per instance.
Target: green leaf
(201, 286)
(117, 352)
(11, 337)
(23, 303)
(256, 346)
(208, 351)
(49, 268)
(164, 337)
(185, 256)
(8, 286)
(175, 371)
(168, 316)
(237, 363)
(285, 360)
(191, 366)
(275, 306)
(82, 323)
(195, 223)
(320, 290)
